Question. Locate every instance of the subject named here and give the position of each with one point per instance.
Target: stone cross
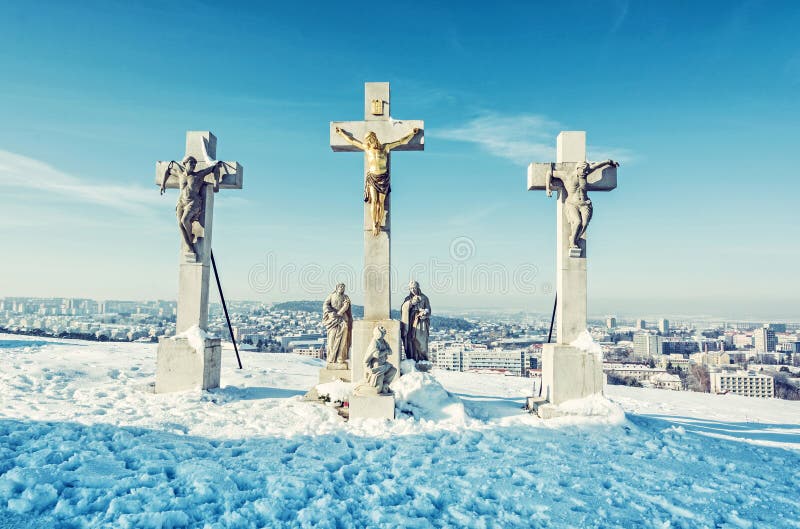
(194, 271)
(396, 135)
(377, 119)
(567, 371)
(571, 261)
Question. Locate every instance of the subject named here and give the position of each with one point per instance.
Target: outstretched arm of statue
(548, 182)
(173, 169)
(402, 141)
(208, 170)
(599, 165)
(349, 138)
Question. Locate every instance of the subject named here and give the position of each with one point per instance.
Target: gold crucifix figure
(376, 185)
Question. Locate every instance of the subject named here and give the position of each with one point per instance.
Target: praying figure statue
(337, 316)
(415, 323)
(378, 372)
(376, 186)
(191, 197)
(577, 205)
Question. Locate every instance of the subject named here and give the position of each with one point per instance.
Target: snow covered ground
(83, 444)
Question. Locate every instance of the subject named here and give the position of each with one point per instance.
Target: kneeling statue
(378, 372)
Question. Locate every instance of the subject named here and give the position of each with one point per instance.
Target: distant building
(745, 383)
(676, 346)
(674, 361)
(312, 352)
(639, 372)
(789, 347)
(742, 341)
(611, 323)
(666, 381)
(776, 327)
(513, 362)
(293, 345)
(765, 340)
(663, 326)
(516, 343)
(459, 358)
(648, 345)
(449, 358)
(285, 339)
(715, 359)
(641, 325)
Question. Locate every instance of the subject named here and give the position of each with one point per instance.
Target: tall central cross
(195, 217)
(396, 135)
(572, 177)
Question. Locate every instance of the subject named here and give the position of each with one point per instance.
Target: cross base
(569, 373)
(372, 407)
(329, 375)
(181, 367)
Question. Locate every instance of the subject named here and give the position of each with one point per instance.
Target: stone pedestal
(362, 335)
(193, 281)
(181, 367)
(569, 373)
(372, 407)
(329, 375)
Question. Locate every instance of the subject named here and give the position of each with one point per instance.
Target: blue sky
(697, 100)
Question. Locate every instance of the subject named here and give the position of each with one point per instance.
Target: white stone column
(377, 279)
(377, 276)
(570, 271)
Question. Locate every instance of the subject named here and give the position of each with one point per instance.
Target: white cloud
(521, 139)
(19, 172)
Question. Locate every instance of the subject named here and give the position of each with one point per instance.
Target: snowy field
(83, 444)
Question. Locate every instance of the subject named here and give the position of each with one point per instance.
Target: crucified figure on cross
(376, 185)
(190, 205)
(577, 205)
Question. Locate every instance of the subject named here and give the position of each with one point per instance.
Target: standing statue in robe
(577, 205)
(377, 185)
(191, 197)
(337, 316)
(415, 323)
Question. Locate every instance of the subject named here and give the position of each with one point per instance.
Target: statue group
(337, 317)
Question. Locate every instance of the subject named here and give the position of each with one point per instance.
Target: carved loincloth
(378, 182)
(189, 208)
(193, 210)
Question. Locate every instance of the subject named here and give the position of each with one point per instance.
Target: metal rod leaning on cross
(225, 308)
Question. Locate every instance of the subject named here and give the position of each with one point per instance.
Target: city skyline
(693, 100)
